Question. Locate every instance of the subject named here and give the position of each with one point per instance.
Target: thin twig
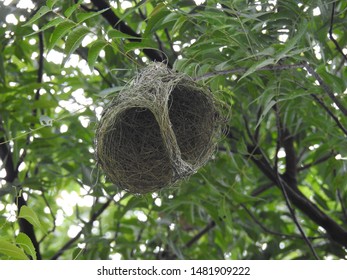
(292, 213)
(331, 37)
(262, 189)
(52, 215)
(209, 226)
(281, 135)
(344, 210)
(326, 88)
(330, 113)
(318, 161)
(139, 236)
(170, 42)
(269, 185)
(68, 244)
(243, 69)
(265, 229)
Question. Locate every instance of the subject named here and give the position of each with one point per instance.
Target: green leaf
(26, 244)
(50, 24)
(12, 251)
(6, 189)
(94, 51)
(266, 110)
(44, 104)
(84, 16)
(40, 13)
(29, 215)
(146, 44)
(50, 3)
(59, 32)
(291, 43)
(176, 28)
(74, 40)
(258, 66)
(109, 91)
(69, 11)
(116, 34)
(225, 212)
(155, 18)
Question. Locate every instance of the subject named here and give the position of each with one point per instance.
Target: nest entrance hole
(138, 146)
(191, 113)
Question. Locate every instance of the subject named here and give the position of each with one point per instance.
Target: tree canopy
(276, 186)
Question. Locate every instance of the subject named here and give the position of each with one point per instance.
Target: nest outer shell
(160, 129)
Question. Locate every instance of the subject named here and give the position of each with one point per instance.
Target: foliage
(276, 188)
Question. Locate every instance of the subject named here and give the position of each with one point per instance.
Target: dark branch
(11, 176)
(291, 169)
(243, 70)
(262, 189)
(265, 229)
(284, 137)
(201, 233)
(326, 88)
(330, 113)
(294, 218)
(118, 24)
(331, 37)
(342, 203)
(334, 231)
(52, 215)
(90, 223)
(318, 161)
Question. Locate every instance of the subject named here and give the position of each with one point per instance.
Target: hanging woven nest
(160, 129)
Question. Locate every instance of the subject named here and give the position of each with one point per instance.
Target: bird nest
(160, 129)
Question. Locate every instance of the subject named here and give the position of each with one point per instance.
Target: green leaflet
(50, 24)
(266, 110)
(12, 251)
(94, 51)
(74, 40)
(59, 32)
(50, 3)
(145, 44)
(292, 43)
(155, 18)
(116, 34)
(69, 11)
(258, 66)
(81, 17)
(29, 215)
(25, 243)
(40, 13)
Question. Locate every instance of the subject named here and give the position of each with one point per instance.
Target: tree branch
(118, 24)
(243, 70)
(331, 37)
(325, 87)
(205, 230)
(330, 113)
(93, 218)
(318, 161)
(265, 229)
(342, 203)
(334, 231)
(52, 215)
(283, 136)
(11, 176)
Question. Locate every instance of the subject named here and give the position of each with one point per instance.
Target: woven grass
(160, 129)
